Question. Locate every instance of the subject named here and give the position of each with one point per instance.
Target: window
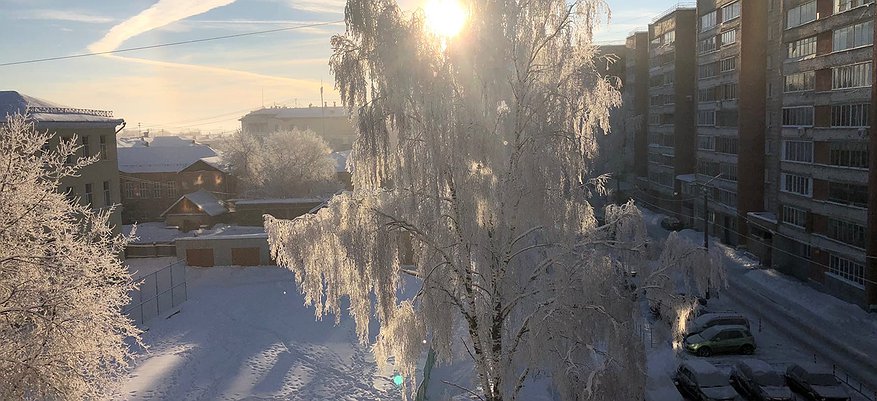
(729, 91)
(801, 81)
(89, 194)
(707, 21)
(853, 36)
(850, 115)
(707, 94)
(706, 70)
(103, 147)
(798, 151)
(846, 269)
(707, 45)
(801, 15)
(849, 154)
(797, 184)
(171, 189)
(846, 5)
(798, 116)
(846, 232)
(108, 199)
(144, 190)
(706, 142)
(730, 11)
(706, 117)
(728, 171)
(726, 118)
(794, 216)
(728, 64)
(86, 148)
(851, 76)
(848, 194)
(156, 190)
(725, 144)
(729, 37)
(130, 190)
(802, 48)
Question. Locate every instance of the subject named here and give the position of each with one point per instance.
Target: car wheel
(704, 351)
(747, 349)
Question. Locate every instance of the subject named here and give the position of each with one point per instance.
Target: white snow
(244, 334)
(148, 233)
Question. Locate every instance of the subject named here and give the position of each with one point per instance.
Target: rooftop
(44, 111)
(298, 112)
(205, 201)
(163, 159)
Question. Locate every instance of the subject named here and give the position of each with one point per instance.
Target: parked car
(671, 223)
(720, 339)
(757, 380)
(702, 381)
(708, 320)
(816, 382)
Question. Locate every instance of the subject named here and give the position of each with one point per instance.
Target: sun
(445, 18)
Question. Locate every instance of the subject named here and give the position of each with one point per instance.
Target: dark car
(702, 381)
(757, 380)
(720, 339)
(816, 382)
(671, 223)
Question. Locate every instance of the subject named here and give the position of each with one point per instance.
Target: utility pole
(706, 214)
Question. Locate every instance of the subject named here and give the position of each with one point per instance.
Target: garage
(245, 256)
(199, 257)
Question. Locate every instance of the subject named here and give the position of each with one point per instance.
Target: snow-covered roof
(43, 111)
(217, 162)
(204, 200)
(340, 158)
(757, 366)
(161, 159)
(277, 201)
(298, 112)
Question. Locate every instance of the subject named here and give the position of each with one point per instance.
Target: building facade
(330, 123)
(783, 151)
(94, 131)
(636, 105)
(670, 129)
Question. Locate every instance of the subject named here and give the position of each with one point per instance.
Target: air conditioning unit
(863, 132)
(802, 131)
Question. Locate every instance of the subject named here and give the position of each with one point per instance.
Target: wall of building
(146, 195)
(223, 247)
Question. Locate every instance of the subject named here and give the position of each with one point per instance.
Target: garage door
(245, 256)
(199, 257)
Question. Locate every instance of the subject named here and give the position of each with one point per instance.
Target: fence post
(173, 304)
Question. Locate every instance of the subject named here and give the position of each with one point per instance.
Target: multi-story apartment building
(330, 123)
(731, 54)
(819, 103)
(670, 124)
(95, 131)
(636, 105)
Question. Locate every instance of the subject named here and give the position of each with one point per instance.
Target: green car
(716, 339)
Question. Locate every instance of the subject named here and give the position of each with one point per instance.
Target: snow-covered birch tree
(281, 164)
(62, 285)
(479, 149)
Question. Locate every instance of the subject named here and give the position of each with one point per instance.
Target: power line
(184, 42)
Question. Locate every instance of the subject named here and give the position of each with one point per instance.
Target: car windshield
(823, 379)
(770, 379)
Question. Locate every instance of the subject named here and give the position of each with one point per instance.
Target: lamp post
(706, 243)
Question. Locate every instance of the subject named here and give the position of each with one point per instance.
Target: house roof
(204, 200)
(44, 111)
(161, 159)
(298, 112)
(218, 163)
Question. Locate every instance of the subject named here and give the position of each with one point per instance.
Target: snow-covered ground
(148, 233)
(244, 334)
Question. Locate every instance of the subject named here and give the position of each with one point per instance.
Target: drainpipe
(121, 128)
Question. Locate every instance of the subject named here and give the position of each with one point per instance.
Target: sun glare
(445, 18)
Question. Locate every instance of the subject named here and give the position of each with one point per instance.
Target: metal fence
(159, 293)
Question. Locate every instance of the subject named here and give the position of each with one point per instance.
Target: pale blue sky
(206, 85)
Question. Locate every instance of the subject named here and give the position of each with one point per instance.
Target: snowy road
(781, 340)
(244, 334)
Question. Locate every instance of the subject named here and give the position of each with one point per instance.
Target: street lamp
(704, 187)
